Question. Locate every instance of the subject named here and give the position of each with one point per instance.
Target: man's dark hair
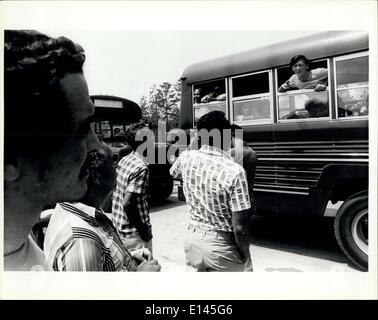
(99, 162)
(213, 120)
(123, 152)
(295, 59)
(131, 133)
(36, 117)
(235, 127)
(102, 178)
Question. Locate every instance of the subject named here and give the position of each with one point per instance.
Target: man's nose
(93, 142)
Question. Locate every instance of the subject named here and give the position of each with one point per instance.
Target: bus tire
(351, 230)
(161, 190)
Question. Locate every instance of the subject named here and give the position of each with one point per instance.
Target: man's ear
(12, 170)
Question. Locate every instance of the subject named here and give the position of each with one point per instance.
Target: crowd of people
(53, 158)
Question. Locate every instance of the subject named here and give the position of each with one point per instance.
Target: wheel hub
(359, 230)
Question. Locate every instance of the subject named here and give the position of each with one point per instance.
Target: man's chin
(78, 192)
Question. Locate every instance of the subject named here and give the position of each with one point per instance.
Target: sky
(128, 63)
(131, 45)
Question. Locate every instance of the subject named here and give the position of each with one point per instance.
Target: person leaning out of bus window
(304, 77)
(197, 96)
(212, 96)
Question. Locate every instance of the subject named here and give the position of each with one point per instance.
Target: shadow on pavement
(309, 237)
(169, 203)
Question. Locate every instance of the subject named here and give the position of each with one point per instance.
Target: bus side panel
(186, 109)
(296, 170)
(287, 204)
(356, 129)
(258, 133)
(303, 131)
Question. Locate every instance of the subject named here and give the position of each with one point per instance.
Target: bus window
(111, 132)
(251, 98)
(103, 129)
(352, 85)
(304, 103)
(208, 97)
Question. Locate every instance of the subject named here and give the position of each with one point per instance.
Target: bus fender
(332, 173)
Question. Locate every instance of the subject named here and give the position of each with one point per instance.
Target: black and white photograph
(177, 138)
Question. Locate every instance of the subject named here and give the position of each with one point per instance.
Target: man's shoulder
(187, 153)
(133, 161)
(320, 72)
(225, 162)
(233, 167)
(71, 215)
(74, 225)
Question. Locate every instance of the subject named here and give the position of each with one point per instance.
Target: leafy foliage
(162, 102)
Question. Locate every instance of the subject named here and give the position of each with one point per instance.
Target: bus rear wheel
(160, 190)
(351, 230)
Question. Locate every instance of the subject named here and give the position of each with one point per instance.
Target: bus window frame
(270, 93)
(207, 103)
(295, 92)
(344, 58)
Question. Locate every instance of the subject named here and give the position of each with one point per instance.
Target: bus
(113, 115)
(312, 147)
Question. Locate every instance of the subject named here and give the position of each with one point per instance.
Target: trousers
(209, 250)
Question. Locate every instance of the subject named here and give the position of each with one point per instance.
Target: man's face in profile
(65, 179)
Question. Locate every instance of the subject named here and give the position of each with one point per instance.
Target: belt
(207, 230)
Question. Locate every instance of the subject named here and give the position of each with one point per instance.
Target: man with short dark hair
(82, 237)
(130, 205)
(47, 116)
(216, 191)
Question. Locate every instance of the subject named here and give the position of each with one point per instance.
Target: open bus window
(305, 103)
(352, 86)
(208, 97)
(112, 133)
(302, 104)
(251, 97)
(253, 109)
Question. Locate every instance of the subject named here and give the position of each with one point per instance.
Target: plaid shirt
(214, 186)
(132, 176)
(81, 238)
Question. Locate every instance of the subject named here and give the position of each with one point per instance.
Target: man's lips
(84, 173)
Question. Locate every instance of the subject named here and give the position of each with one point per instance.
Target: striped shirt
(214, 186)
(132, 176)
(81, 238)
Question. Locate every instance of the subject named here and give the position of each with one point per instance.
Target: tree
(162, 102)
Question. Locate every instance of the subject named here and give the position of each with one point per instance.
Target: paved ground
(279, 245)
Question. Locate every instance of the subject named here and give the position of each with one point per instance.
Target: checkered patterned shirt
(81, 238)
(214, 186)
(132, 176)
